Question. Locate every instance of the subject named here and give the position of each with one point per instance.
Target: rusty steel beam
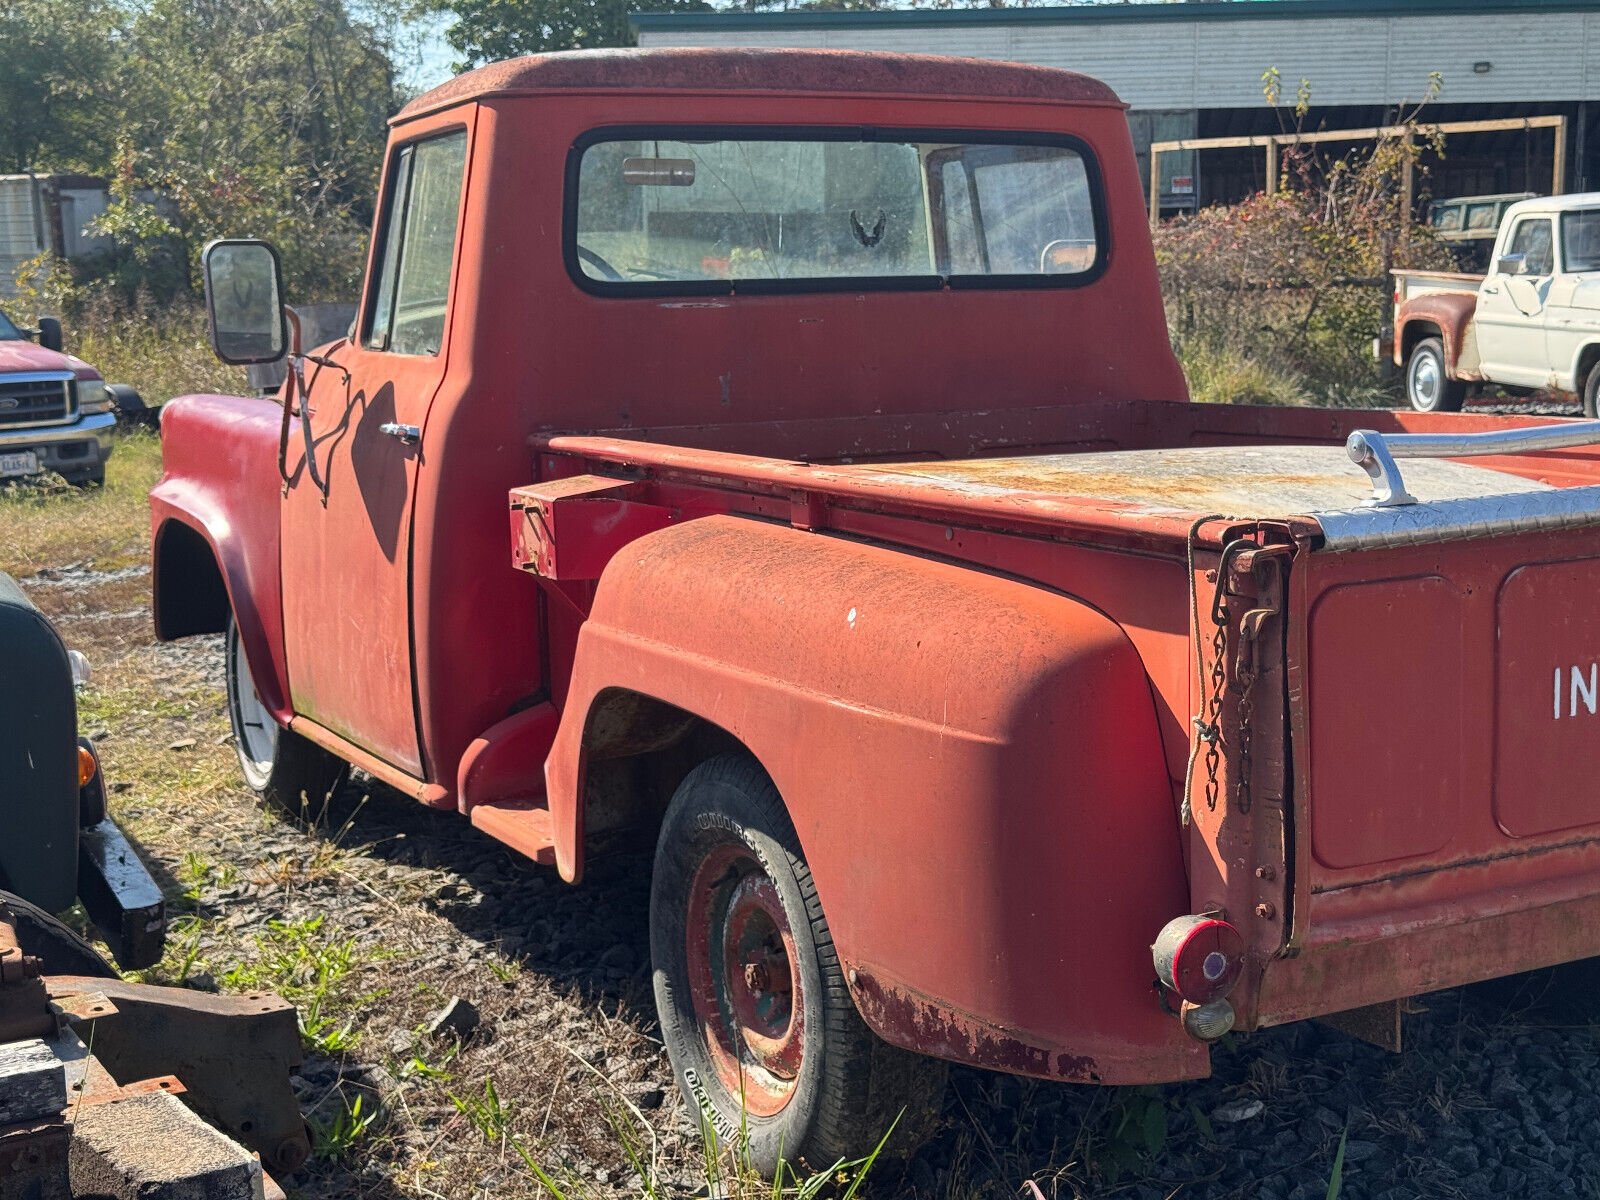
(234, 1055)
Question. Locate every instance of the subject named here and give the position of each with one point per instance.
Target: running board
(522, 823)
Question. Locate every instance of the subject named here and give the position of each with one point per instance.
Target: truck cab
(1532, 322)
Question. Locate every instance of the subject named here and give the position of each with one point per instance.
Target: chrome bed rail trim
(1375, 452)
(1413, 524)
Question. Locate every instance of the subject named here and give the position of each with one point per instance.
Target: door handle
(409, 434)
(1492, 291)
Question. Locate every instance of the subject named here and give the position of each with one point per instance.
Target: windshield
(1580, 239)
(9, 332)
(658, 212)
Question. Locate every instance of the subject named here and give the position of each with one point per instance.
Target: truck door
(347, 510)
(1511, 307)
(1570, 322)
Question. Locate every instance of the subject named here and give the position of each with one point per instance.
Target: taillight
(86, 765)
(1199, 958)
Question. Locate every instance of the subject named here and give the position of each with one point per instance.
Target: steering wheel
(599, 264)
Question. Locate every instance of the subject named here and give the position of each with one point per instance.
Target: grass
(103, 528)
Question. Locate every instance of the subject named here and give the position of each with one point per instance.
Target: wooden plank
(1272, 168)
(1155, 187)
(1558, 183)
(1367, 133)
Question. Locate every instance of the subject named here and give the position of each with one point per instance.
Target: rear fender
(1446, 315)
(220, 487)
(972, 766)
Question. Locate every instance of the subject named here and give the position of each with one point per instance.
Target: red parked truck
(989, 701)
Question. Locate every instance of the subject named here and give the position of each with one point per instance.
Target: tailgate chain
(1208, 720)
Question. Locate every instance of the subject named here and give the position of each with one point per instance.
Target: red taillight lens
(1199, 958)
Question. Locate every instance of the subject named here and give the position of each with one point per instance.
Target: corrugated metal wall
(19, 228)
(1174, 64)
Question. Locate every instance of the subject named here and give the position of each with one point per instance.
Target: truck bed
(1419, 820)
(1274, 482)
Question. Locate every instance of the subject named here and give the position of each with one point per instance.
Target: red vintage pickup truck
(988, 701)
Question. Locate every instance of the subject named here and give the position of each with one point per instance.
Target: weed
(490, 1116)
(504, 969)
(416, 1067)
(337, 1137)
(1136, 1126)
(303, 963)
(1336, 1176)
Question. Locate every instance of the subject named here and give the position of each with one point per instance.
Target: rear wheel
(285, 769)
(755, 1012)
(1428, 383)
(1591, 393)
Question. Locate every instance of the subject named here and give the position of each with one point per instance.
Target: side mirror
(50, 333)
(1510, 264)
(244, 300)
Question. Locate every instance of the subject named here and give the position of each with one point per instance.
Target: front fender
(972, 765)
(220, 480)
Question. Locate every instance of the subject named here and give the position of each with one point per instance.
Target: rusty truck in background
(1532, 323)
(781, 454)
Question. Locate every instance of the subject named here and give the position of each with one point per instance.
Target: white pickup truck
(1533, 322)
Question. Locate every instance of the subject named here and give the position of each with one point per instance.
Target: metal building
(1194, 70)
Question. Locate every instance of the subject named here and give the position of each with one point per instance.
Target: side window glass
(383, 294)
(1532, 240)
(413, 288)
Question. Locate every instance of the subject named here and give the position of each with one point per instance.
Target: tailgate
(1443, 672)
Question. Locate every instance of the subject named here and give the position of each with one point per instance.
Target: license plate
(21, 462)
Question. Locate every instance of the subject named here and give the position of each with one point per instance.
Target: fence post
(1155, 187)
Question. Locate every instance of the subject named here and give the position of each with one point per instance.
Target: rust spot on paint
(908, 1018)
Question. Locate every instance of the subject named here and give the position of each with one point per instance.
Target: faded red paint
(974, 688)
(1445, 315)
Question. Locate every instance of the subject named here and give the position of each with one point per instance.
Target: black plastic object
(38, 757)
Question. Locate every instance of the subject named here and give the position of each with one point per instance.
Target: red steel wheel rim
(743, 980)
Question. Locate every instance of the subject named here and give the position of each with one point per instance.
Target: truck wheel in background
(1428, 383)
(286, 770)
(130, 405)
(1591, 393)
(752, 1001)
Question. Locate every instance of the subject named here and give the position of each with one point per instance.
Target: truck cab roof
(735, 69)
(1552, 204)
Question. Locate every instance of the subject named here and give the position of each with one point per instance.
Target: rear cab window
(406, 310)
(674, 210)
(1580, 239)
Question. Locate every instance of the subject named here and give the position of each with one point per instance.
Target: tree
(56, 100)
(252, 117)
(491, 30)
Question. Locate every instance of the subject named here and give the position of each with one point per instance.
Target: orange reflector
(86, 765)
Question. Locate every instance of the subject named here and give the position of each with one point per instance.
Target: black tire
(1429, 387)
(283, 768)
(130, 405)
(1591, 393)
(847, 1086)
(42, 936)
